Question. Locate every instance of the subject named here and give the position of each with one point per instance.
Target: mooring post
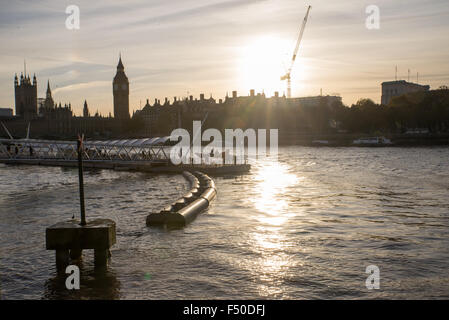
(80, 177)
(70, 238)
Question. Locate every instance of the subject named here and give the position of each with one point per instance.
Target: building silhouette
(161, 118)
(25, 96)
(49, 119)
(120, 89)
(86, 113)
(56, 120)
(47, 104)
(391, 89)
(6, 112)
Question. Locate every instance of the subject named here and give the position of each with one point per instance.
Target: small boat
(373, 141)
(320, 142)
(417, 131)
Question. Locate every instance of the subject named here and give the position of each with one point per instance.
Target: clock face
(124, 86)
(115, 86)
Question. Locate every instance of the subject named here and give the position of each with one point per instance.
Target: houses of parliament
(51, 120)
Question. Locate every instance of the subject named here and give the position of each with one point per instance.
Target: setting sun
(263, 62)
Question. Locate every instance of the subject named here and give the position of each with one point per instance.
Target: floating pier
(138, 166)
(146, 155)
(187, 208)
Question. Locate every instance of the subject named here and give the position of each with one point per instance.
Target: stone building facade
(391, 89)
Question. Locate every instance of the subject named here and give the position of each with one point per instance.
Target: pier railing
(148, 149)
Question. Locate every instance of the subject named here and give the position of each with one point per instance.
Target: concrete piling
(101, 257)
(69, 239)
(62, 258)
(75, 254)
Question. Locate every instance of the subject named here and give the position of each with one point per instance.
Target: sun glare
(273, 181)
(264, 61)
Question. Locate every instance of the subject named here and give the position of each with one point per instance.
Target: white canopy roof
(145, 142)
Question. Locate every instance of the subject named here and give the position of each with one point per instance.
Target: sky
(185, 47)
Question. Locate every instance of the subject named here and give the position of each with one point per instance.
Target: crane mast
(287, 76)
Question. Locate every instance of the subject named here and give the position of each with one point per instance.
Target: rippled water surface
(305, 226)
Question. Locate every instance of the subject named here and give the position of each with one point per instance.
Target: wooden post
(80, 177)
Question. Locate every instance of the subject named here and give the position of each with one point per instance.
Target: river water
(304, 226)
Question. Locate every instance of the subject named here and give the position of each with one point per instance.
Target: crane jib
(295, 52)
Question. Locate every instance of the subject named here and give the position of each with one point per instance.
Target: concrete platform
(69, 239)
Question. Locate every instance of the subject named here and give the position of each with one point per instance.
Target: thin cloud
(201, 10)
(81, 86)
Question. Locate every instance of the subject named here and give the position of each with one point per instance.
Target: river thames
(303, 227)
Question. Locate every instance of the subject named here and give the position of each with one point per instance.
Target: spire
(86, 110)
(120, 66)
(48, 87)
(34, 79)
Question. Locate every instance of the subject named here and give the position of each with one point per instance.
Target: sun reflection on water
(272, 203)
(273, 181)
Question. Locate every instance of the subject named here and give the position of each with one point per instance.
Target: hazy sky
(180, 47)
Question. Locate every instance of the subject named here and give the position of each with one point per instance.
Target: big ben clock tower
(120, 88)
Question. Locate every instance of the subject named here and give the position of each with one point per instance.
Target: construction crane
(287, 76)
